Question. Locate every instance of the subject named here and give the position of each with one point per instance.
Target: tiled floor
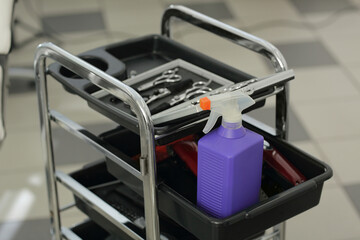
(319, 38)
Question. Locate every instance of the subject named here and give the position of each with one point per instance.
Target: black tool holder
(179, 216)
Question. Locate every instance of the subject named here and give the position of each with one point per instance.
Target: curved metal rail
(118, 89)
(241, 38)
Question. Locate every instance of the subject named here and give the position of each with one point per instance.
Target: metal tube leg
(282, 99)
(281, 229)
(41, 84)
(123, 92)
(3, 93)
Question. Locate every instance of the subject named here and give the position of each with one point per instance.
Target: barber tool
(187, 151)
(192, 107)
(171, 89)
(281, 165)
(162, 152)
(198, 88)
(168, 76)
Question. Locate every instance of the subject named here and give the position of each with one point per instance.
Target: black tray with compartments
(140, 55)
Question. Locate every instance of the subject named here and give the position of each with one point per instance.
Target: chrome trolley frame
(108, 83)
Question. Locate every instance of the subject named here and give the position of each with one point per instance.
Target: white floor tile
(355, 72)
(135, 17)
(277, 33)
(21, 150)
(330, 118)
(72, 217)
(254, 12)
(54, 7)
(30, 184)
(309, 147)
(343, 158)
(334, 218)
(356, 2)
(321, 83)
(22, 112)
(25, 191)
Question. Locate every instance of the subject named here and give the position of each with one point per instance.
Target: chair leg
(3, 94)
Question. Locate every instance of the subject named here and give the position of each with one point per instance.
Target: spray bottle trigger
(211, 121)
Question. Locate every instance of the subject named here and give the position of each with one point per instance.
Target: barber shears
(168, 76)
(248, 87)
(171, 89)
(197, 88)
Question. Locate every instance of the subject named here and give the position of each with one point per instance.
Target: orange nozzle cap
(205, 103)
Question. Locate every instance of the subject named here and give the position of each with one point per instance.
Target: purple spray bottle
(229, 158)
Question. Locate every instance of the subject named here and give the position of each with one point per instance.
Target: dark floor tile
(69, 149)
(75, 22)
(297, 131)
(306, 54)
(354, 193)
(217, 10)
(319, 6)
(35, 229)
(18, 86)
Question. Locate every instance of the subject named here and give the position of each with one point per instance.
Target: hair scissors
(196, 89)
(168, 76)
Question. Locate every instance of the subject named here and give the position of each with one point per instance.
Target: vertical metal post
(41, 84)
(123, 92)
(3, 93)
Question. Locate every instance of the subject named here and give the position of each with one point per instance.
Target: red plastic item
(162, 153)
(285, 168)
(187, 151)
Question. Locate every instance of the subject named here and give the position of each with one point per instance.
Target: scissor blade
(187, 110)
(269, 81)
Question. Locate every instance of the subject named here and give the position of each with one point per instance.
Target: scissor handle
(197, 93)
(169, 73)
(228, 32)
(200, 84)
(167, 79)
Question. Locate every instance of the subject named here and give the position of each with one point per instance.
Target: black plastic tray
(179, 204)
(91, 231)
(141, 54)
(125, 200)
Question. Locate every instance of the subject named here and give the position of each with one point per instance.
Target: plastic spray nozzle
(228, 105)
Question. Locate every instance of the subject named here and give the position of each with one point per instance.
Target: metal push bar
(243, 39)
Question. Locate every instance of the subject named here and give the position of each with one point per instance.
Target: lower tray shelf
(91, 231)
(177, 201)
(130, 204)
